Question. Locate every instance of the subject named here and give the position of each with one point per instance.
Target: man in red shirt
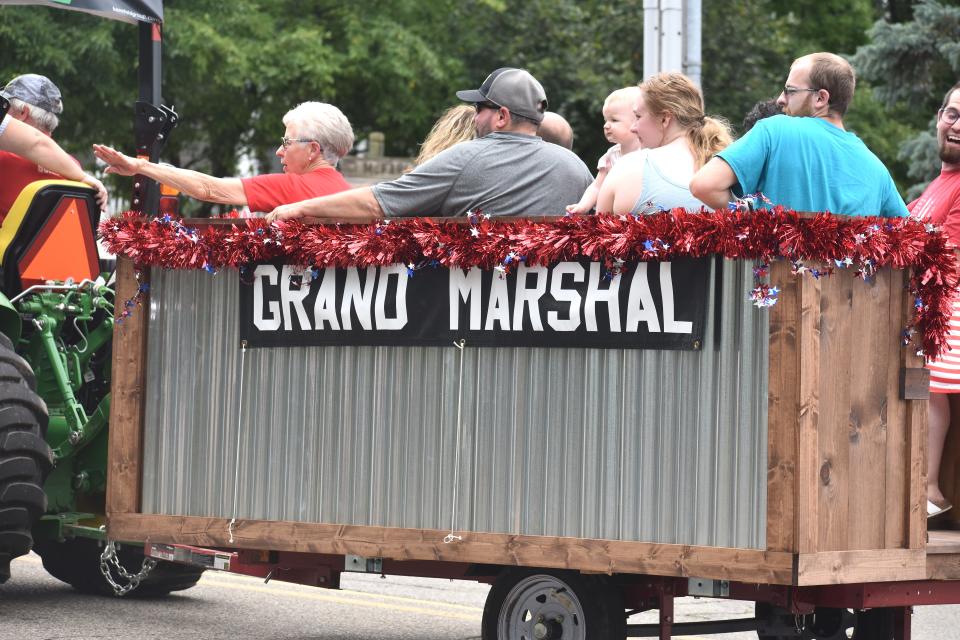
(317, 135)
(940, 204)
(36, 101)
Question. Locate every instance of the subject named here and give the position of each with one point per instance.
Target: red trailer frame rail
(640, 593)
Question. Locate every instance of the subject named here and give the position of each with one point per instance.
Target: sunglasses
(480, 106)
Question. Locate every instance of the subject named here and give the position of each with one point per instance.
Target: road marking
(339, 599)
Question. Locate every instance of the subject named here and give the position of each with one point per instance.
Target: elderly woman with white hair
(317, 135)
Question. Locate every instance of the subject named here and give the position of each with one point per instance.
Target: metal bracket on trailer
(196, 556)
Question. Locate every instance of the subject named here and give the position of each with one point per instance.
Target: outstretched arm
(27, 142)
(358, 205)
(192, 183)
(711, 184)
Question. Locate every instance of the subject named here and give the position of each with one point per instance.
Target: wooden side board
(845, 468)
(604, 556)
(598, 556)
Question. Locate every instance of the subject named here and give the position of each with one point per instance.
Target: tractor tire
(76, 561)
(25, 457)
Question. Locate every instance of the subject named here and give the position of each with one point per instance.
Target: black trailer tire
(76, 561)
(25, 457)
(825, 624)
(564, 603)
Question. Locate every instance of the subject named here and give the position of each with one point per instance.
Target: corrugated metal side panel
(657, 446)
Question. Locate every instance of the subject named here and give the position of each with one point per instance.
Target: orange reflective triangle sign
(64, 248)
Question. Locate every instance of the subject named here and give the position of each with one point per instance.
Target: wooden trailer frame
(846, 486)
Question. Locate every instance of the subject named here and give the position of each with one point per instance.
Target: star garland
(863, 243)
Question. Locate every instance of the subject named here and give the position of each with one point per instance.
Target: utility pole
(671, 37)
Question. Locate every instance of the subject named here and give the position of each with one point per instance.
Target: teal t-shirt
(808, 164)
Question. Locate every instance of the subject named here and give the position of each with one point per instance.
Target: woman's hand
(117, 162)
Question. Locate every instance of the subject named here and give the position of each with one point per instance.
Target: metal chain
(109, 559)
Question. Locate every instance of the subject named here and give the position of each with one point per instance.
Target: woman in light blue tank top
(676, 139)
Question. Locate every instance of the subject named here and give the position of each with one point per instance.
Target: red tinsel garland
(862, 242)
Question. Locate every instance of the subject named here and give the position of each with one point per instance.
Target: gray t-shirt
(500, 174)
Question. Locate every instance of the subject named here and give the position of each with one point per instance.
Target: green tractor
(57, 312)
(56, 327)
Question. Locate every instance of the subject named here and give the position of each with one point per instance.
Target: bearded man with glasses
(805, 159)
(940, 204)
(317, 135)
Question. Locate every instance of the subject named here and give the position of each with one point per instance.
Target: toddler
(618, 117)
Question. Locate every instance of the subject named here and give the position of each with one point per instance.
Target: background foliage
(394, 66)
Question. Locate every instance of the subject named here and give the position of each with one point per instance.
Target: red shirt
(940, 203)
(15, 174)
(267, 192)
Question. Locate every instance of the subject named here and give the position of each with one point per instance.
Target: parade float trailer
(661, 436)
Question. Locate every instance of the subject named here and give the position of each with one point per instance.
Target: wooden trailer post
(125, 448)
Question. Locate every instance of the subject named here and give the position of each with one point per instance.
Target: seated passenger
(556, 130)
(507, 171)
(760, 111)
(25, 141)
(317, 135)
(454, 126)
(35, 101)
(804, 159)
(676, 139)
(618, 119)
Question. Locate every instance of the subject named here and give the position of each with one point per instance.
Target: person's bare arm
(357, 205)
(29, 143)
(589, 197)
(711, 184)
(622, 186)
(192, 183)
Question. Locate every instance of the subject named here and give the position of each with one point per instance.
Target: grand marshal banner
(645, 305)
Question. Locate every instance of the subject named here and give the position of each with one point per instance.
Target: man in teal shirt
(805, 160)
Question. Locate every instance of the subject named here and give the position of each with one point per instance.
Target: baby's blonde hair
(628, 95)
(455, 125)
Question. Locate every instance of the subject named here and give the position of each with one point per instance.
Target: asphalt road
(34, 606)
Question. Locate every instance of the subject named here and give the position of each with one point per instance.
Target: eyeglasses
(286, 142)
(480, 106)
(789, 91)
(948, 116)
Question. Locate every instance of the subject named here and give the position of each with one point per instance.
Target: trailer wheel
(25, 458)
(826, 623)
(544, 604)
(76, 561)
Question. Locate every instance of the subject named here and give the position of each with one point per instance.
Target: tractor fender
(9, 319)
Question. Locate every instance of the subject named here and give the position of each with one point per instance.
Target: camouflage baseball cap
(35, 90)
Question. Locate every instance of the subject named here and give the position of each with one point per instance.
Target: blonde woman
(676, 139)
(455, 125)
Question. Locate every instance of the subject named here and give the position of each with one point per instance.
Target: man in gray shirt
(506, 171)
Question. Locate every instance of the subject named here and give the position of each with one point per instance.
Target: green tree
(910, 65)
